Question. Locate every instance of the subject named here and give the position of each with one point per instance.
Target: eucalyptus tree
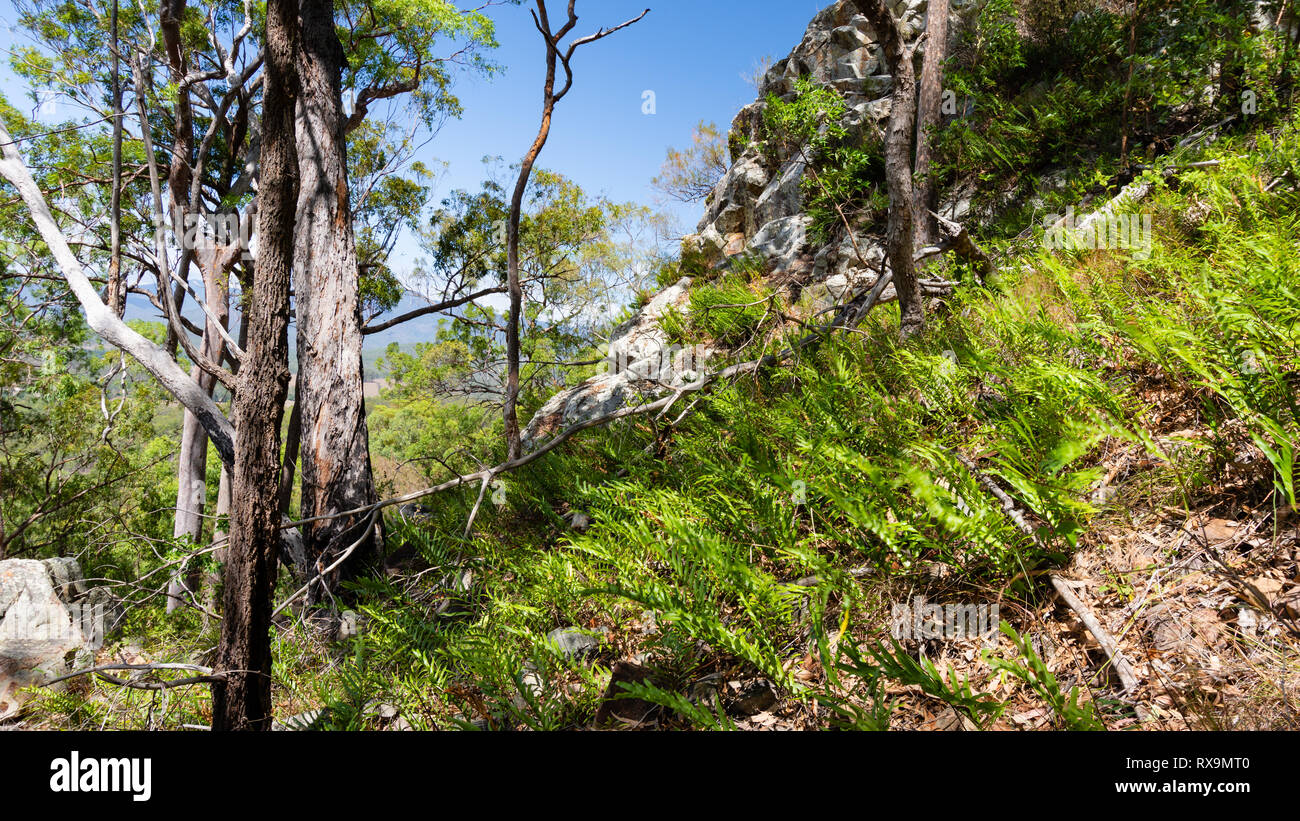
(242, 696)
(180, 86)
(79, 462)
(583, 258)
(928, 117)
(379, 51)
(900, 239)
(249, 441)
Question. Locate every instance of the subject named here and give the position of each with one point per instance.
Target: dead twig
(206, 677)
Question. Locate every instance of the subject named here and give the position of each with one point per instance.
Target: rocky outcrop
(838, 50)
(50, 624)
(640, 361)
(757, 208)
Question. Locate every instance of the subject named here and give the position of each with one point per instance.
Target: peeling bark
(334, 442)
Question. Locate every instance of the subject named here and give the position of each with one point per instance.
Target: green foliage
(694, 262)
(730, 310)
(996, 48)
(812, 118)
(581, 258)
(890, 662)
(1081, 79)
(849, 179)
(846, 458)
(395, 43)
(688, 568)
(667, 272)
(1066, 707)
(384, 204)
(84, 436)
(846, 171)
(733, 542)
(691, 174)
(1049, 22)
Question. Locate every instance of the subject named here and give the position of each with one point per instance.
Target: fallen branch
(206, 677)
(1275, 183)
(1126, 675)
(321, 574)
(964, 246)
(1192, 139)
(1122, 667)
(848, 316)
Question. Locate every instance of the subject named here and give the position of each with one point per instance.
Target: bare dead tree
(555, 58)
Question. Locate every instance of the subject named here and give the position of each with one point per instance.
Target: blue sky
(692, 54)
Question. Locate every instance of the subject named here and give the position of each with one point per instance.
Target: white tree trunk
(103, 321)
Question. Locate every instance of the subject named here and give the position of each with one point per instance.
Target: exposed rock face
(640, 361)
(50, 624)
(757, 208)
(839, 50)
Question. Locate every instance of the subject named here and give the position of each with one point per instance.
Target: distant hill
(408, 334)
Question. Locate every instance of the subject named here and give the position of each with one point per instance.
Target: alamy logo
(671, 364)
(206, 232)
(1099, 231)
(921, 620)
(123, 775)
(203, 231)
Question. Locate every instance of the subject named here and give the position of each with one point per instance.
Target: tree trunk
(510, 412)
(242, 699)
(191, 488)
(1232, 67)
(292, 442)
(116, 291)
(928, 119)
(336, 473)
(179, 174)
(900, 234)
(192, 468)
(191, 476)
(212, 580)
(550, 98)
(510, 409)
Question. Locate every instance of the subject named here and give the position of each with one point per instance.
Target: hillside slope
(1070, 503)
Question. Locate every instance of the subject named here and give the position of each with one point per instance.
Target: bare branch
(102, 320)
(207, 677)
(430, 309)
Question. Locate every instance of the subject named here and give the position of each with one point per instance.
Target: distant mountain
(408, 334)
